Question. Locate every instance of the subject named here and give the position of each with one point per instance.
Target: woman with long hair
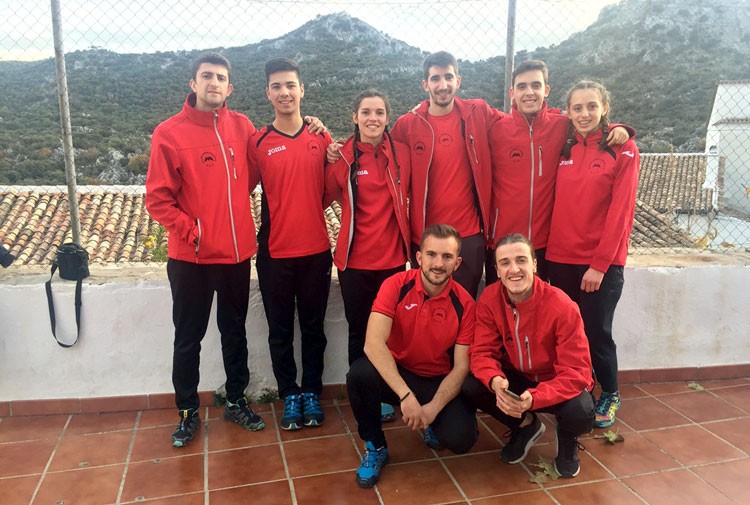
(592, 219)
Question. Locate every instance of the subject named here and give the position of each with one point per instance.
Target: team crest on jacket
(313, 147)
(597, 166)
(439, 315)
(208, 159)
(420, 148)
(516, 155)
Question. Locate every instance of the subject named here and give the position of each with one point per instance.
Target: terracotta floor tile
(635, 455)
(270, 493)
(630, 391)
(244, 466)
(165, 477)
(161, 417)
(155, 443)
(730, 478)
(738, 396)
(25, 428)
(736, 432)
(610, 491)
(487, 440)
(91, 450)
(702, 406)
(723, 383)
(89, 486)
(183, 499)
(665, 388)
(692, 445)
(85, 424)
(404, 445)
(303, 457)
(649, 414)
(332, 489)
(527, 498)
(18, 490)
(333, 425)
(590, 468)
(224, 435)
(684, 489)
(23, 458)
(423, 482)
(481, 475)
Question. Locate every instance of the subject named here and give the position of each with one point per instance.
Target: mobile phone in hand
(511, 394)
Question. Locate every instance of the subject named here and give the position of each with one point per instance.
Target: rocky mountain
(661, 61)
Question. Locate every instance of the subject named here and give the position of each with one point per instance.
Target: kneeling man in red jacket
(530, 354)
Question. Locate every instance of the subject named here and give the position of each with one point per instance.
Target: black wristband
(401, 400)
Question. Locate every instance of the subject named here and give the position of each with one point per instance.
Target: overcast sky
(469, 29)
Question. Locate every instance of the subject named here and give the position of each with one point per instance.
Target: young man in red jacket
(294, 254)
(526, 147)
(530, 354)
(198, 187)
(451, 173)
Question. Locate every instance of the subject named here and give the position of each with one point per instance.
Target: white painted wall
(668, 317)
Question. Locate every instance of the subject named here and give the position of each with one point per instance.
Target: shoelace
(292, 406)
(372, 458)
(606, 404)
(312, 404)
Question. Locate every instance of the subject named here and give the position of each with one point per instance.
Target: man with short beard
(416, 355)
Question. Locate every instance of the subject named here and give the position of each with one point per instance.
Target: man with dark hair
(530, 354)
(416, 355)
(450, 156)
(294, 255)
(526, 147)
(198, 187)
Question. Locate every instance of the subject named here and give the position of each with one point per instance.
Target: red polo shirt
(425, 329)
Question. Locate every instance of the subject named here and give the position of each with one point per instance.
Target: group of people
(539, 201)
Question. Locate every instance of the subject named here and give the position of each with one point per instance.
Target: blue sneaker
(431, 440)
(313, 414)
(292, 418)
(387, 413)
(373, 460)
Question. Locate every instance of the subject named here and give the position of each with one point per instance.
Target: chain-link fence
(128, 69)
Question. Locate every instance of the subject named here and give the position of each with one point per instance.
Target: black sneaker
(242, 414)
(521, 440)
(189, 422)
(566, 462)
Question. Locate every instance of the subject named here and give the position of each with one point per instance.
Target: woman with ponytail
(369, 180)
(592, 219)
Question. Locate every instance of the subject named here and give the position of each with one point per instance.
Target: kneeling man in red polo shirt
(417, 355)
(530, 354)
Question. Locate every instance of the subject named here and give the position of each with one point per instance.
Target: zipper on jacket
(234, 166)
(540, 161)
(229, 186)
(531, 191)
(427, 175)
(517, 318)
(494, 224)
(473, 148)
(200, 235)
(528, 350)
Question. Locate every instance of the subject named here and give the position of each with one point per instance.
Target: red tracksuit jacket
(541, 337)
(594, 204)
(198, 184)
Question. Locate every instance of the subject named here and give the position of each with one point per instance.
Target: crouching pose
(530, 354)
(417, 355)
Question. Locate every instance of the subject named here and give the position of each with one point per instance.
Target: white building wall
(668, 317)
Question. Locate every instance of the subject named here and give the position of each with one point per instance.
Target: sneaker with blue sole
(292, 417)
(373, 461)
(189, 423)
(431, 440)
(312, 413)
(387, 413)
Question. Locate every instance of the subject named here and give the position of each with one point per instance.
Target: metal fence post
(509, 49)
(62, 91)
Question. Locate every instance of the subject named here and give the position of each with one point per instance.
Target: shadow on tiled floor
(681, 446)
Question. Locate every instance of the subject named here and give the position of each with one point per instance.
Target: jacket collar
(520, 119)
(527, 304)
(464, 108)
(201, 117)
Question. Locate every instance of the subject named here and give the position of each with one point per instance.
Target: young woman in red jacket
(369, 180)
(592, 218)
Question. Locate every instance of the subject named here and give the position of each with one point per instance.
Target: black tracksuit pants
(598, 312)
(306, 282)
(359, 288)
(193, 286)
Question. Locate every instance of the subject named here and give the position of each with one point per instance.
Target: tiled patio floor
(681, 446)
